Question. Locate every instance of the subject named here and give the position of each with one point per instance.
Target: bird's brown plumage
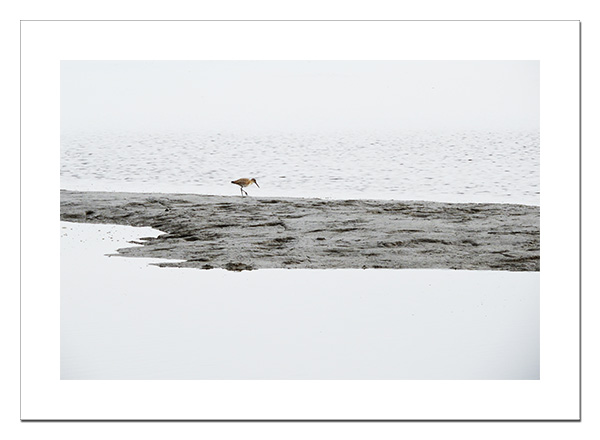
(243, 183)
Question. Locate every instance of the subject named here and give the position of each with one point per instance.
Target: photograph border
(301, 419)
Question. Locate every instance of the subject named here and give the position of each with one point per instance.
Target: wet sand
(248, 233)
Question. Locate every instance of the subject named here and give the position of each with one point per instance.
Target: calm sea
(470, 166)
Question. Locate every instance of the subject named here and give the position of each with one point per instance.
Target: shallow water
(124, 319)
(500, 167)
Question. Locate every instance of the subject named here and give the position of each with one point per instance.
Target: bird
(243, 183)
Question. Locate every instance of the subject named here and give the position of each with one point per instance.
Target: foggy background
(299, 96)
(454, 131)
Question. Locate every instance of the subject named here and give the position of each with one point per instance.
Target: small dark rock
(238, 267)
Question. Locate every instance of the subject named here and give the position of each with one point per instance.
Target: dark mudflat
(245, 233)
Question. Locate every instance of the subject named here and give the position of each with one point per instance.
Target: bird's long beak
(256, 183)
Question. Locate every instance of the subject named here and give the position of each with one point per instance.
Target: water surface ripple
(470, 166)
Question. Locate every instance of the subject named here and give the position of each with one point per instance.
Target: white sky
(299, 95)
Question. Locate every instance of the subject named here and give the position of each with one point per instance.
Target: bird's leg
(242, 191)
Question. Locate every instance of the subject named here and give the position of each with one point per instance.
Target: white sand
(124, 319)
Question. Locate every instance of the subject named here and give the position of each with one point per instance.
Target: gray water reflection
(123, 319)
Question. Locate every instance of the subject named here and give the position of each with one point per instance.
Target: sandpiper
(243, 183)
